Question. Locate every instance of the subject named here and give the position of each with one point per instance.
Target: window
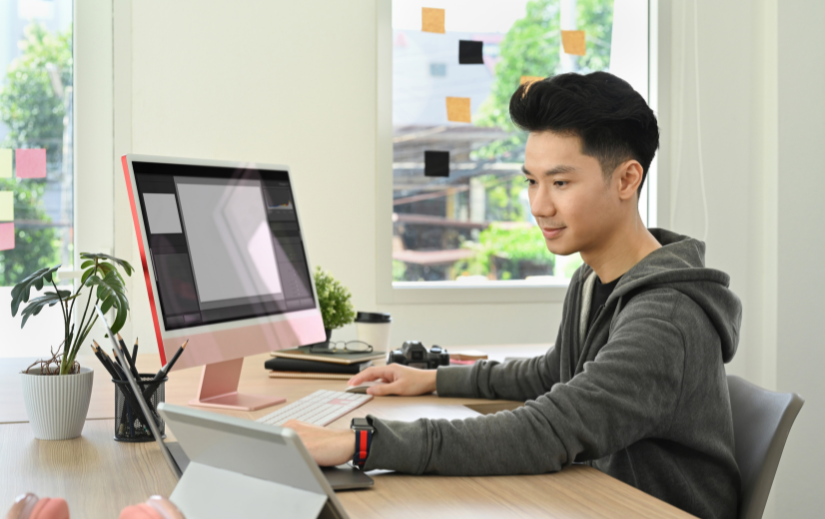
(37, 158)
(36, 138)
(474, 226)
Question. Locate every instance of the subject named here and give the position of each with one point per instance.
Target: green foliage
(334, 299)
(531, 48)
(102, 279)
(399, 270)
(34, 116)
(503, 198)
(515, 246)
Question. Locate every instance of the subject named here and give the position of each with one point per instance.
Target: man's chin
(559, 249)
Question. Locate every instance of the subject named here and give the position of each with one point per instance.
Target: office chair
(762, 420)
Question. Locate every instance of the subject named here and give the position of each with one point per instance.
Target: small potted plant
(57, 391)
(334, 299)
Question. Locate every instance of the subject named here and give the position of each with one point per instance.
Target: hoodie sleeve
(521, 379)
(627, 393)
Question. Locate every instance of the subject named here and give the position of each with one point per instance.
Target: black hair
(612, 120)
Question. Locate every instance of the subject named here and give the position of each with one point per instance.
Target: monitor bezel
(148, 266)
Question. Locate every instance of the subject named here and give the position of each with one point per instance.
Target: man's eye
(530, 181)
(560, 183)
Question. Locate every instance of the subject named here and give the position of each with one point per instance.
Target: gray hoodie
(642, 395)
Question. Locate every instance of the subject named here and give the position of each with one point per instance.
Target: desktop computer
(225, 267)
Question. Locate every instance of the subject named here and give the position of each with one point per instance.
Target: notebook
(303, 353)
(307, 375)
(312, 365)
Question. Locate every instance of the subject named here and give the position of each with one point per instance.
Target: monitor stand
(219, 388)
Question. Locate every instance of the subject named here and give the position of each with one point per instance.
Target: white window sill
(545, 290)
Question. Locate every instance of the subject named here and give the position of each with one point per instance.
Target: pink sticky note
(6, 236)
(30, 163)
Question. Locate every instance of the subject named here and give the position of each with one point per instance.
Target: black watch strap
(363, 440)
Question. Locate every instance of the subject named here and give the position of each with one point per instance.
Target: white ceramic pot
(57, 404)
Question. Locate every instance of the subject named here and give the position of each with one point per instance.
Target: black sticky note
(470, 52)
(437, 163)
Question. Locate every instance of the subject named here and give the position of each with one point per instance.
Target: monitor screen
(224, 242)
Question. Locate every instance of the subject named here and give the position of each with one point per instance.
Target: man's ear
(630, 175)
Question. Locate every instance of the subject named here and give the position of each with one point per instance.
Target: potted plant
(57, 391)
(334, 300)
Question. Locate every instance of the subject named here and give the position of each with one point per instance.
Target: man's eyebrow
(555, 171)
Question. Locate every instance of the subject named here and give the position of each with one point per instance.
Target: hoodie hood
(680, 264)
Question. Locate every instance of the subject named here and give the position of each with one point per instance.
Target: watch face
(360, 422)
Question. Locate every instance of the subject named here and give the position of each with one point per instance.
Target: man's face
(573, 204)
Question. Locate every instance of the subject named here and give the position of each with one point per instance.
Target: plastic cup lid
(372, 317)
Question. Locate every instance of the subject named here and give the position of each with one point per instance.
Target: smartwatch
(363, 440)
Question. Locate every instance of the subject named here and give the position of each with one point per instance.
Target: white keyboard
(320, 408)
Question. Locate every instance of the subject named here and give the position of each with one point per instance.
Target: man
(635, 384)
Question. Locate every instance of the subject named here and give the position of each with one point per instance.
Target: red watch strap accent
(363, 438)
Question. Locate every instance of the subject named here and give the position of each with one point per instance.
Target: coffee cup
(374, 329)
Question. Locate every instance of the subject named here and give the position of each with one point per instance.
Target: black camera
(415, 355)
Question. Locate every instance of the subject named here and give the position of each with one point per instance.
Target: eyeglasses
(339, 346)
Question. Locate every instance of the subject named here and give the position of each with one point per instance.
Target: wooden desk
(98, 476)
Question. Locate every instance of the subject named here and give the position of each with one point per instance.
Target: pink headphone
(28, 506)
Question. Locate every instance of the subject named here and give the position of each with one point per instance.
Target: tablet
(241, 468)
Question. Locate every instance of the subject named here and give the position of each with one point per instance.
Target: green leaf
(21, 291)
(86, 264)
(37, 304)
(125, 265)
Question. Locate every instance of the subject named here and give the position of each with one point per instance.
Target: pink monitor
(225, 267)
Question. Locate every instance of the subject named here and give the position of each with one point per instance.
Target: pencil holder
(130, 423)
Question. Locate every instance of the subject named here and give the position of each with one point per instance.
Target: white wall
(801, 247)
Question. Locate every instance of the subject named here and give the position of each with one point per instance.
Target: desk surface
(99, 476)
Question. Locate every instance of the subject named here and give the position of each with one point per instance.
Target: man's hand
(328, 447)
(400, 380)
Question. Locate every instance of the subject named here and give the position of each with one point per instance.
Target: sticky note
(470, 52)
(573, 42)
(458, 109)
(5, 164)
(30, 163)
(6, 206)
(437, 163)
(6, 236)
(432, 20)
(529, 79)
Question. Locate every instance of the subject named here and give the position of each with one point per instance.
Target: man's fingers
(383, 389)
(368, 375)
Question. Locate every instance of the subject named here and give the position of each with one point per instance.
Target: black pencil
(135, 350)
(100, 358)
(128, 356)
(161, 374)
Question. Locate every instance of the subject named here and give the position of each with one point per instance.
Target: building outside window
(475, 224)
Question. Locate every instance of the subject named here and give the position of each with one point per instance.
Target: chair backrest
(762, 420)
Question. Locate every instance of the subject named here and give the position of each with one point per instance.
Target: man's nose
(541, 204)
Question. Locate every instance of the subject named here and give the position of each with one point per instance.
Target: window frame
(452, 292)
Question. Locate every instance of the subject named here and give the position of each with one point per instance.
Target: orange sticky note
(529, 79)
(432, 20)
(573, 42)
(30, 163)
(458, 109)
(5, 164)
(6, 236)
(6, 206)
